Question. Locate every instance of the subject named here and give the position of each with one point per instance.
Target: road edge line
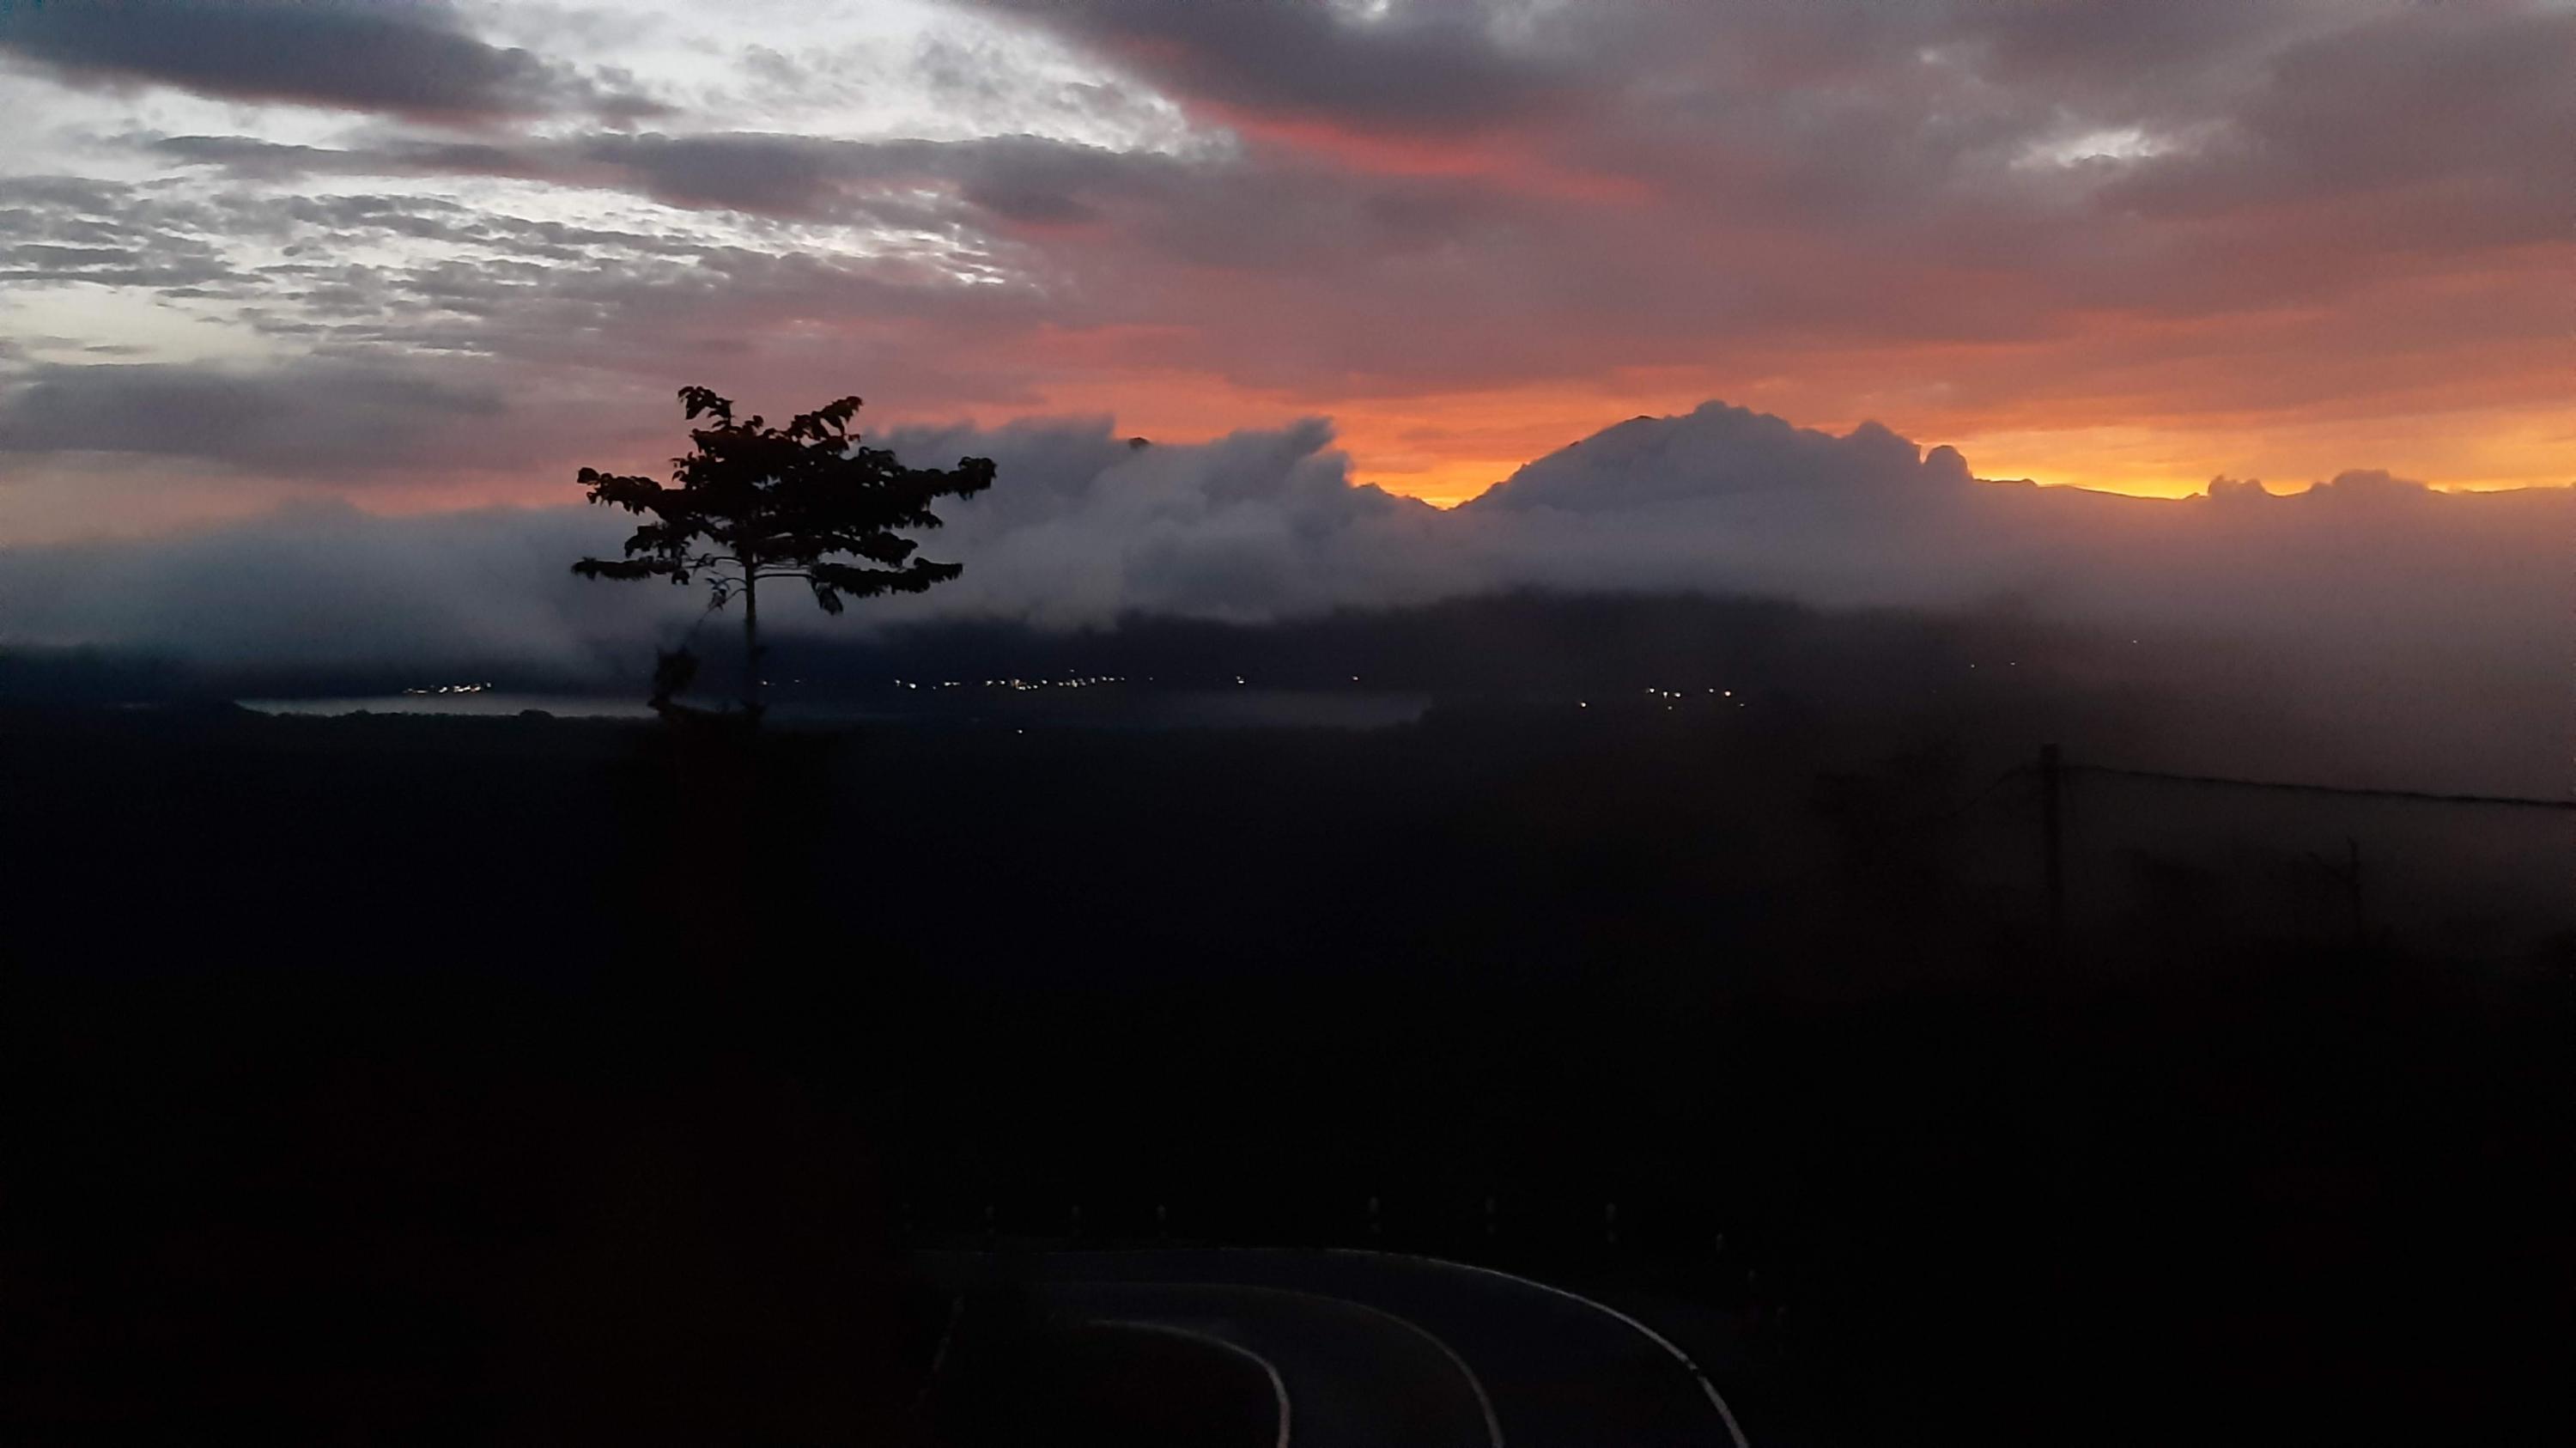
(1278, 1385)
(1734, 1430)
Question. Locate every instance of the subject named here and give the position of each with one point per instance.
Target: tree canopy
(750, 502)
(783, 502)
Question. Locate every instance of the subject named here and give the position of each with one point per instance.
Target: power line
(2422, 796)
(1972, 801)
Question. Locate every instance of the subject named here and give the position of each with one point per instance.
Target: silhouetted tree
(750, 503)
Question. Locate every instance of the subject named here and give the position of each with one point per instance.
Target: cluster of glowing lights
(1021, 685)
(1670, 697)
(452, 689)
(1667, 697)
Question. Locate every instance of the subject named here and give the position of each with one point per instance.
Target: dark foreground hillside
(400, 1080)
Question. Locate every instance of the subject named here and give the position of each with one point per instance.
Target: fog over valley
(2413, 624)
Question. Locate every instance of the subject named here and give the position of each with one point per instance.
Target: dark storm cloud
(1760, 210)
(1025, 210)
(322, 418)
(414, 59)
(1900, 137)
(1795, 177)
(1270, 211)
(1435, 68)
(256, 160)
(2470, 110)
(1014, 178)
(763, 175)
(1020, 178)
(2112, 39)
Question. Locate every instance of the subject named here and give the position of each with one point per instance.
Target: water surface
(1120, 707)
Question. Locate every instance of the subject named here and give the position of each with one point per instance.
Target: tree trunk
(750, 644)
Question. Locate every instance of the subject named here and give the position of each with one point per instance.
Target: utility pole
(2349, 877)
(2052, 849)
(751, 639)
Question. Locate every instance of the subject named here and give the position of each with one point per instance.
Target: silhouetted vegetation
(750, 502)
(431, 1072)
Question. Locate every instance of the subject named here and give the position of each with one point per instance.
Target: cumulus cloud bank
(2396, 607)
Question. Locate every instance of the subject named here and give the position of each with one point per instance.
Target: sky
(2243, 321)
(422, 255)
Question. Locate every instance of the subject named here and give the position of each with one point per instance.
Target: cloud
(1437, 222)
(321, 585)
(414, 60)
(252, 159)
(1255, 525)
(321, 418)
(2405, 602)
(2113, 39)
(1717, 451)
(2425, 632)
(1012, 178)
(2415, 113)
(1836, 202)
(1008, 178)
(57, 229)
(1434, 68)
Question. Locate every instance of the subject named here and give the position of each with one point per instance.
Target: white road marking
(1733, 1431)
(1278, 1385)
(1475, 1385)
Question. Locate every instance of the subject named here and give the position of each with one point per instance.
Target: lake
(1111, 707)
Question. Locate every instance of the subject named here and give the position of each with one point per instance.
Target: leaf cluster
(750, 502)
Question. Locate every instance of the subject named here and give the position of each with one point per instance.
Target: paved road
(1352, 1374)
(1379, 1349)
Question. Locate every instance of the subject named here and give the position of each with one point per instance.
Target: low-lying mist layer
(2429, 626)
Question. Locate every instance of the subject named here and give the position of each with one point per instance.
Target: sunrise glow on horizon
(2119, 251)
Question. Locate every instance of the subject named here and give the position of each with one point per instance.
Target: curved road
(1352, 1374)
(1377, 1349)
